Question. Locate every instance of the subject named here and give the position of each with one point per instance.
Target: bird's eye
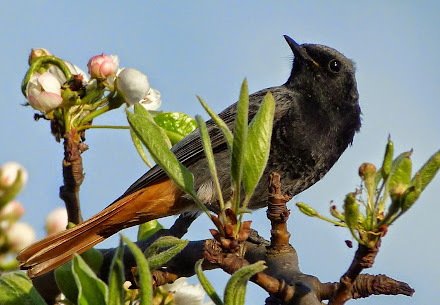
(335, 65)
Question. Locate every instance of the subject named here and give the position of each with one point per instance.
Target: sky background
(207, 48)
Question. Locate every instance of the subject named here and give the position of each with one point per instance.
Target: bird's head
(326, 78)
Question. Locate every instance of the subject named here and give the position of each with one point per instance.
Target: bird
(317, 115)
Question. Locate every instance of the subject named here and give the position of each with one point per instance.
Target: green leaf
(174, 245)
(400, 171)
(351, 209)
(65, 279)
(428, 171)
(235, 290)
(117, 278)
(148, 228)
(139, 110)
(258, 144)
(91, 290)
(66, 282)
(93, 258)
(307, 210)
(206, 284)
(412, 193)
(176, 124)
(140, 148)
(16, 288)
(387, 159)
(145, 283)
(150, 135)
(240, 135)
(219, 122)
(206, 142)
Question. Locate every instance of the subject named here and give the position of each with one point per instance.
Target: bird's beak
(299, 51)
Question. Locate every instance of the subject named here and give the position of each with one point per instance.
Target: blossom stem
(83, 127)
(37, 63)
(113, 103)
(67, 120)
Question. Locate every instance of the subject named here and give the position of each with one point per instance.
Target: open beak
(298, 51)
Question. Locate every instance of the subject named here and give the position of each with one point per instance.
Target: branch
(283, 280)
(364, 258)
(367, 285)
(72, 175)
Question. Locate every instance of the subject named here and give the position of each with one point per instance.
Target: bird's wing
(188, 151)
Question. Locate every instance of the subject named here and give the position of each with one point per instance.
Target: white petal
(181, 281)
(189, 295)
(33, 87)
(152, 101)
(48, 101)
(50, 83)
(133, 85)
(73, 69)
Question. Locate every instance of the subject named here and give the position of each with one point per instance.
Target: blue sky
(207, 48)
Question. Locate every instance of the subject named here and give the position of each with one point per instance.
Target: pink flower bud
(56, 221)
(44, 92)
(19, 235)
(8, 174)
(13, 210)
(102, 66)
(36, 53)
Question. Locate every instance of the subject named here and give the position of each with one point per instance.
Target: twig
(72, 175)
(367, 285)
(278, 214)
(364, 258)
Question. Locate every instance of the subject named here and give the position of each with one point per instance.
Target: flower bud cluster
(69, 97)
(14, 235)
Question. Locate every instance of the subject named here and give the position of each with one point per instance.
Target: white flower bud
(133, 85)
(8, 174)
(186, 294)
(20, 235)
(43, 92)
(56, 221)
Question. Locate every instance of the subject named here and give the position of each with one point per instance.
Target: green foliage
(391, 184)
(174, 126)
(206, 284)
(210, 158)
(116, 278)
(163, 249)
(258, 144)
(143, 271)
(219, 122)
(150, 135)
(91, 290)
(239, 143)
(16, 288)
(65, 278)
(235, 290)
(66, 282)
(147, 229)
(177, 125)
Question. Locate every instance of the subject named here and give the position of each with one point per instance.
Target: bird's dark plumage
(316, 116)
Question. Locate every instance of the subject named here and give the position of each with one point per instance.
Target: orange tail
(153, 202)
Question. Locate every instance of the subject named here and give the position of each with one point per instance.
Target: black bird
(316, 117)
